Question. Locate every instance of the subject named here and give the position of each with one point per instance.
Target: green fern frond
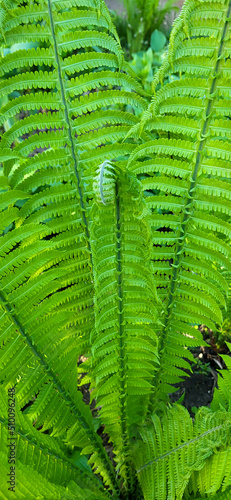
(222, 397)
(124, 323)
(30, 482)
(214, 476)
(44, 454)
(190, 210)
(174, 446)
(4, 10)
(24, 58)
(225, 495)
(30, 102)
(40, 351)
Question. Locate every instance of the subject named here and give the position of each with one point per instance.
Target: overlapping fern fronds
(176, 443)
(177, 457)
(186, 179)
(56, 474)
(77, 267)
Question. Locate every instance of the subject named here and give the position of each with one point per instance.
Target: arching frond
(124, 349)
(190, 207)
(173, 446)
(37, 452)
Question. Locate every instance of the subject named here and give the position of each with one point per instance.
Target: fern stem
(187, 214)
(93, 435)
(68, 122)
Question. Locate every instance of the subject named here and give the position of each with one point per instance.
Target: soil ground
(198, 386)
(197, 389)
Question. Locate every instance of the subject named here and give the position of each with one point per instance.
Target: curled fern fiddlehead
(104, 183)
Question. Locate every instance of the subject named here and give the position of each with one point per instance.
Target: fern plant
(114, 235)
(143, 17)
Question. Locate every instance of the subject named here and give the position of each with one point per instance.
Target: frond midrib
(184, 445)
(64, 102)
(120, 320)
